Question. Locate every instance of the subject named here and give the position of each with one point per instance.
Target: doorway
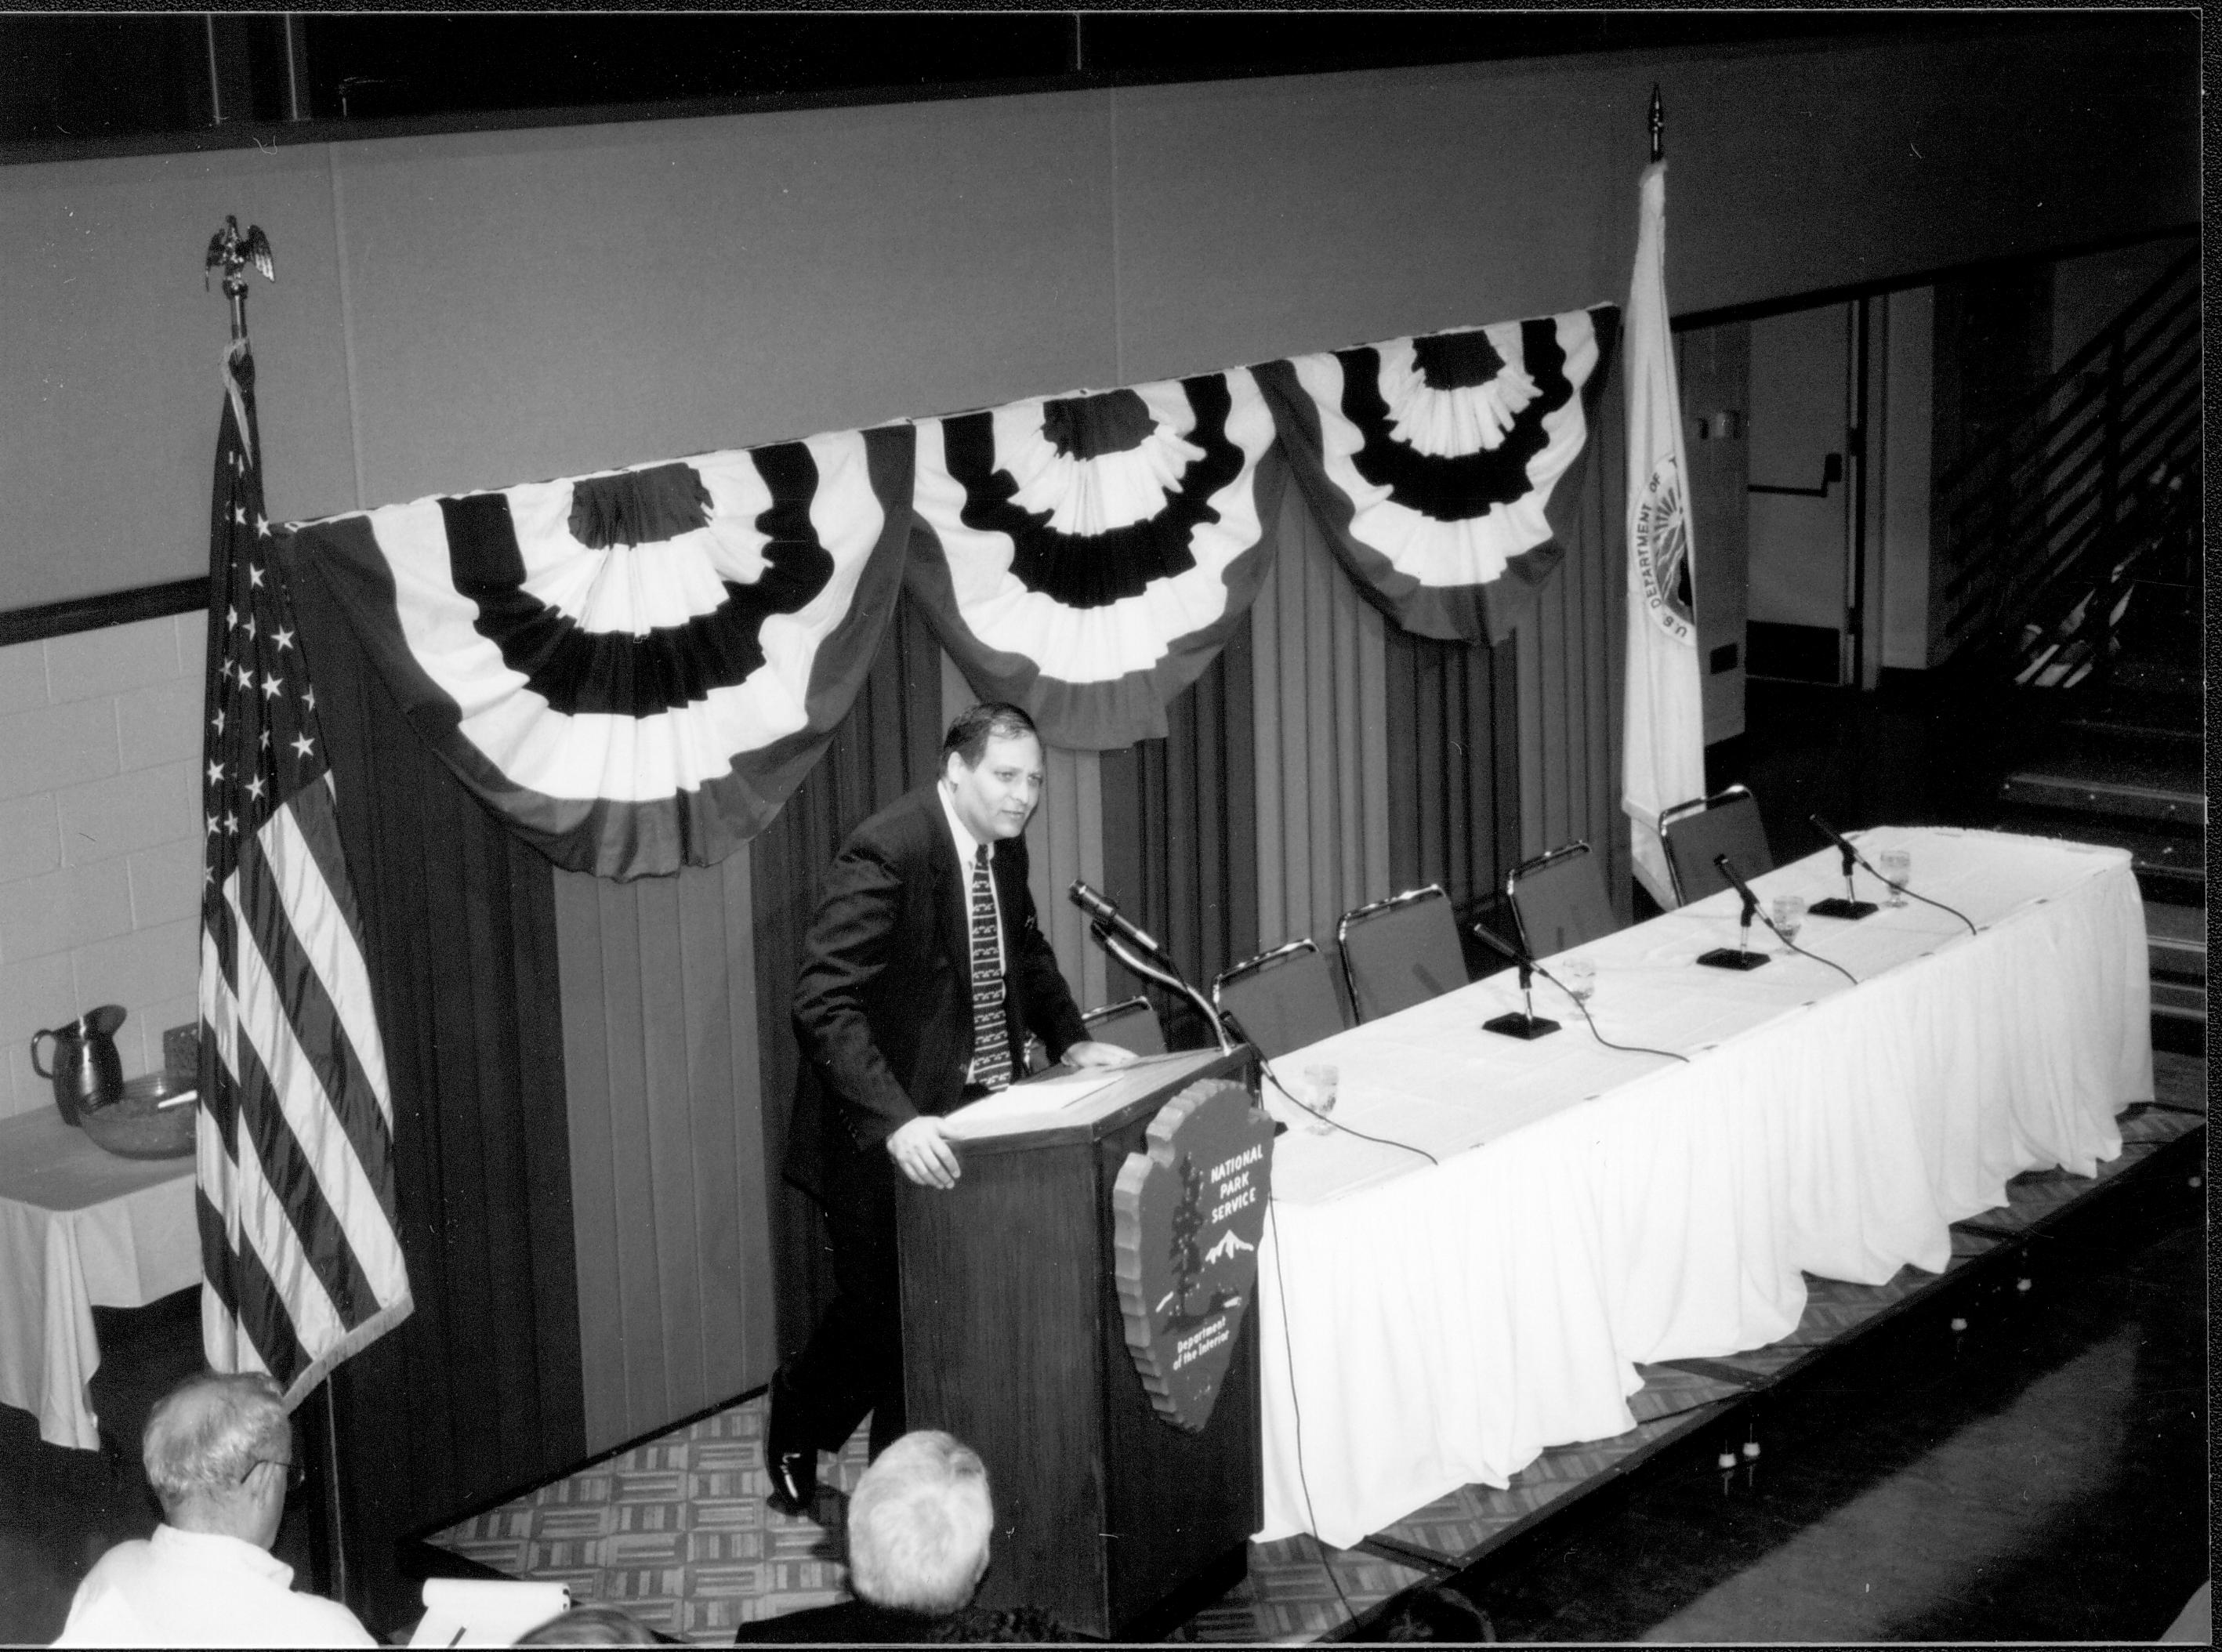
(1805, 535)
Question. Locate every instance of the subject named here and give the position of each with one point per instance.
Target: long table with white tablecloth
(1428, 1326)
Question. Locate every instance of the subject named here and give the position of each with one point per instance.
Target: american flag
(300, 1252)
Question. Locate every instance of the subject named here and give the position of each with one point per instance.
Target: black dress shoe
(790, 1459)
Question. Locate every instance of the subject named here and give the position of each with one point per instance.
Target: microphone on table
(1516, 1024)
(1103, 911)
(1848, 905)
(1743, 958)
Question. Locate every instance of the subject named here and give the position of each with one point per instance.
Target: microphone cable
(1632, 1049)
(1939, 904)
(1753, 909)
(1521, 958)
(1924, 900)
(1802, 952)
(1266, 1067)
(1288, 1359)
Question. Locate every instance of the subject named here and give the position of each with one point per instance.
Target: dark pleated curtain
(1570, 667)
(666, 1149)
(1453, 767)
(887, 745)
(478, 1393)
(1180, 832)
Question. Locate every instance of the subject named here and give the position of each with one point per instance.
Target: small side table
(80, 1228)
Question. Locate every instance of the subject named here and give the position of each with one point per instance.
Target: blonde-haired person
(219, 1453)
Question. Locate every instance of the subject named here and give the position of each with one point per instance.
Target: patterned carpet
(678, 1531)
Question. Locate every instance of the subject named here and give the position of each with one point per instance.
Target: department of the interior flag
(301, 1259)
(1663, 758)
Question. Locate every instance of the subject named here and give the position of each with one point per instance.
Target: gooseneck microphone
(1723, 865)
(1516, 1024)
(1104, 911)
(1753, 960)
(1741, 957)
(1847, 904)
(1137, 949)
(1510, 1024)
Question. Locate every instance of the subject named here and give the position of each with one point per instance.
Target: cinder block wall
(100, 843)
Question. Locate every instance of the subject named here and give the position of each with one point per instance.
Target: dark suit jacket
(883, 1007)
(854, 1622)
(859, 1621)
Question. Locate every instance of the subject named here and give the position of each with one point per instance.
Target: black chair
(1284, 999)
(1559, 901)
(1694, 833)
(1400, 951)
(1130, 1024)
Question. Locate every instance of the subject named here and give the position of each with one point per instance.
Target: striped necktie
(991, 1045)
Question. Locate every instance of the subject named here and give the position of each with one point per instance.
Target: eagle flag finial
(231, 252)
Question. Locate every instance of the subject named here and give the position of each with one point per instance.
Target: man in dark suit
(923, 972)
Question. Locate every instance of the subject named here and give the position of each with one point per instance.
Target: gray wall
(474, 310)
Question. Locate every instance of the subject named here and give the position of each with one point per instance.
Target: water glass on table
(1898, 872)
(1788, 912)
(1322, 1084)
(1577, 975)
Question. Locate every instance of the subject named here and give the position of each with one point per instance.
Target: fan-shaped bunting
(1085, 557)
(634, 669)
(1432, 461)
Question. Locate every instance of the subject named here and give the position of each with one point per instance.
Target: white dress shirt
(200, 1588)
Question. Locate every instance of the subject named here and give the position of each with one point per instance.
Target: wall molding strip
(47, 620)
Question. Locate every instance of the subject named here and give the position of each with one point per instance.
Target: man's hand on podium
(921, 1150)
(1088, 1054)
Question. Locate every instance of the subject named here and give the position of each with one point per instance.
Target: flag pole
(235, 254)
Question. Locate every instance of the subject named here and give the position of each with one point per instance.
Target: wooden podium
(1108, 1517)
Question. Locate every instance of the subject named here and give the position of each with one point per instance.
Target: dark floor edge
(1702, 1415)
(1973, 1273)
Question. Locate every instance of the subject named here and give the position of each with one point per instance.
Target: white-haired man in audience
(919, 1524)
(219, 1453)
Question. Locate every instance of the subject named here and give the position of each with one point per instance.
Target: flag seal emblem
(1662, 550)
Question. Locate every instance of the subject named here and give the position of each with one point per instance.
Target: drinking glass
(1324, 1082)
(1578, 976)
(1897, 871)
(1788, 912)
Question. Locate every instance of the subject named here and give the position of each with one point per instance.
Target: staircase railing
(2045, 523)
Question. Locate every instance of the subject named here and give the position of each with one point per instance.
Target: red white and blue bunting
(1431, 462)
(634, 669)
(1086, 556)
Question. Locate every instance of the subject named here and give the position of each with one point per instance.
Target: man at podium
(923, 971)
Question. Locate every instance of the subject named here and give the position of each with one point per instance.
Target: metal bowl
(136, 1126)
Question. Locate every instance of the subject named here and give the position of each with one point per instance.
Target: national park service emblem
(1189, 1214)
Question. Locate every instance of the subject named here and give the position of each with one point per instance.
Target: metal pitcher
(87, 1072)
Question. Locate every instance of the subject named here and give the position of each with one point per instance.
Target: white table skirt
(80, 1228)
(1595, 1210)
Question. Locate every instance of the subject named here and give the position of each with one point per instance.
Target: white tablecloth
(1595, 1210)
(80, 1228)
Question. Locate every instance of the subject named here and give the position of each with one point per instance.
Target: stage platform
(678, 1530)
